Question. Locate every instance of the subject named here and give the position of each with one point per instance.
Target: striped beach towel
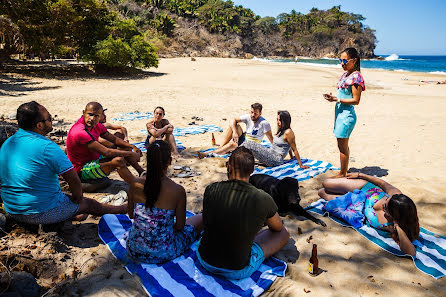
(264, 143)
(192, 130)
(132, 116)
(184, 276)
(291, 169)
(142, 147)
(430, 257)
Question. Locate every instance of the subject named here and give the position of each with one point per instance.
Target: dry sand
(401, 128)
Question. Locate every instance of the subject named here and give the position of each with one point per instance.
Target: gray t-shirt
(255, 131)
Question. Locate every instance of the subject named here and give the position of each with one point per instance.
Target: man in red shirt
(91, 159)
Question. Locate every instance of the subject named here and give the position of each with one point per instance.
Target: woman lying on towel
(159, 128)
(155, 235)
(284, 140)
(386, 208)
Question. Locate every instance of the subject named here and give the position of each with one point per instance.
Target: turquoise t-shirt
(29, 167)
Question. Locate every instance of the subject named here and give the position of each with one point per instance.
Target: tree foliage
(88, 29)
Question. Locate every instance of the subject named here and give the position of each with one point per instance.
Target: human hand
(329, 97)
(304, 166)
(136, 156)
(137, 150)
(353, 175)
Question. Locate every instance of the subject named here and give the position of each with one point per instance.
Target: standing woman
(350, 86)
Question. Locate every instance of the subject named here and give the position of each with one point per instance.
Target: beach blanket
(192, 130)
(142, 147)
(291, 169)
(430, 257)
(264, 143)
(184, 276)
(132, 116)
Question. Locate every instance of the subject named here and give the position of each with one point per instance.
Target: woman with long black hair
(350, 86)
(160, 230)
(284, 140)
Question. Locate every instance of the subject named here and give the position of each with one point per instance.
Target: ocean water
(431, 64)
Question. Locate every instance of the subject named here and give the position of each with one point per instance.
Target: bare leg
(344, 151)
(118, 163)
(271, 242)
(93, 207)
(196, 221)
(170, 139)
(333, 187)
(227, 136)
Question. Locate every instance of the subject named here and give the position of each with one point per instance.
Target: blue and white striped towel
(132, 116)
(264, 143)
(184, 276)
(192, 130)
(431, 248)
(291, 169)
(142, 147)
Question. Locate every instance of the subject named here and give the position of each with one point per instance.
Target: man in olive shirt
(234, 212)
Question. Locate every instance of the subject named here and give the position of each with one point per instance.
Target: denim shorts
(255, 261)
(64, 210)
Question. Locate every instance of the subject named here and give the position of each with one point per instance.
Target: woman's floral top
(355, 78)
(153, 237)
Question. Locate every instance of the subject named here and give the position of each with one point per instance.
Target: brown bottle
(213, 139)
(313, 265)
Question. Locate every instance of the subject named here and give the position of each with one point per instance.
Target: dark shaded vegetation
(129, 33)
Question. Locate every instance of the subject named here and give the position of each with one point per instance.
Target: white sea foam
(261, 59)
(438, 72)
(395, 57)
(392, 57)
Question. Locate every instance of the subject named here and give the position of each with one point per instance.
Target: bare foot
(80, 217)
(339, 175)
(201, 155)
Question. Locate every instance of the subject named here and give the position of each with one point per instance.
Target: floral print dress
(153, 237)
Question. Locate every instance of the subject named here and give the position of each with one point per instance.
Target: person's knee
(328, 183)
(321, 193)
(119, 161)
(285, 233)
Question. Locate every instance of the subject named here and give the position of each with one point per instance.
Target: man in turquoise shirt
(30, 165)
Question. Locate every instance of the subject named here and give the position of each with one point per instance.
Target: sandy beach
(400, 131)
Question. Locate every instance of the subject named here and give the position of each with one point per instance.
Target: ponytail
(158, 157)
(353, 54)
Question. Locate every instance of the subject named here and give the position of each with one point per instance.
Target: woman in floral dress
(350, 86)
(160, 230)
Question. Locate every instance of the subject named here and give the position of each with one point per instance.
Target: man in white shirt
(256, 128)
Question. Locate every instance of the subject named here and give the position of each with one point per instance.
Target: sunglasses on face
(344, 61)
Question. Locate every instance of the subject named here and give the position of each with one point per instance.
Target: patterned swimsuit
(153, 237)
(373, 194)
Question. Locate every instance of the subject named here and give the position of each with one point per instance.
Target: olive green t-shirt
(233, 212)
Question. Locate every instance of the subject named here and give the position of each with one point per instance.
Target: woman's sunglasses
(344, 61)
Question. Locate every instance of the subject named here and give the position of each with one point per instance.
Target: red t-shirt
(77, 139)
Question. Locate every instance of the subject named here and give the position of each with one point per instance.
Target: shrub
(117, 53)
(113, 53)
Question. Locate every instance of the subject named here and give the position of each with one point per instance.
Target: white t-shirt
(255, 131)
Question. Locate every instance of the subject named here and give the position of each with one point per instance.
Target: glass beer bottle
(313, 265)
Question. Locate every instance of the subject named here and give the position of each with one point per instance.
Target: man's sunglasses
(344, 61)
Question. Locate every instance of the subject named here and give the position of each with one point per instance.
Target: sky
(402, 27)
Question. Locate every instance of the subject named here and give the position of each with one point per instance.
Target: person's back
(30, 165)
(233, 213)
(160, 231)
